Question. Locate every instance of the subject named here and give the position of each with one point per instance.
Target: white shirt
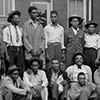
(75, 31)
(54, 34)
(38, 79)
(73, 71)
(92, 41)
(9, 35)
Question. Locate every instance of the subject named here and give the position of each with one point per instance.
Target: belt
(55, 43)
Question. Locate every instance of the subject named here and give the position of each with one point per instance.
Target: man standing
(12, 36)
(73, 39)
(36, 79)
(33, 36)
(12, 87)
(54, 35)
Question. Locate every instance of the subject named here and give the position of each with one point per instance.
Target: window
(76, 7)
(6, 6)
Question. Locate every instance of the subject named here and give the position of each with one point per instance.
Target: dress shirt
(97, 76)
(75, 31)
(54, 34)
(73, 71)
(8, 83)
(9, 35)
(39, 79)
(92, 41)
(76, 89)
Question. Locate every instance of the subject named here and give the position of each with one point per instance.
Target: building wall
(96, 13)
(61, 7)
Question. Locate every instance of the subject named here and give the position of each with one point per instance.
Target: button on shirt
(54, 34)
(38, 79)
(9, 35)
(73, 71)
(92, 41)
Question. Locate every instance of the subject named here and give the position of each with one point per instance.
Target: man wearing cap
(12, 87)
(73, 39)
(92, 45)
(12, 36)
(78, 67)
(33, 37)
(36, 79)
(54, 36)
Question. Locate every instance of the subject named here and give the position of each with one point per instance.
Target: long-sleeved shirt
(8, 83)
(54, 34)
(10, 35)
(33, 38)
(74, 70)
(76, 89)
(34, 80)
(97, 76)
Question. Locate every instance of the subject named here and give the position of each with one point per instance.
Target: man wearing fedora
(92, 45)
(33, 37)
(73, 39)
(73, 70)
(12, 36)
(36, 79)
(12, 87)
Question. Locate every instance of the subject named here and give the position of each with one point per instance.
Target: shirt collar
(57, 25)
(30, 21)
(74, 29)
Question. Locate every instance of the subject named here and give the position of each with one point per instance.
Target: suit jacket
(74, 43)
(63, 73)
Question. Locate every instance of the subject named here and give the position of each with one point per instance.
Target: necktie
(17, 35)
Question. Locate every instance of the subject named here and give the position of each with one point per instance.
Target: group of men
(24, 47)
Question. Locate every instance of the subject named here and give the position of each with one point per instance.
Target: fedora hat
(12, 13)
(74, 16)
(12, 68)
(35, 59)
(91, 23)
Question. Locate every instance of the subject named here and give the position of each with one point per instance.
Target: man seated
(79, 66)
(12, 87)
(58, 81)
(82, 90)
(36, 79)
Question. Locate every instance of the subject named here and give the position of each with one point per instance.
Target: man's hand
(39, 52)
(97, 61)
(64, 82)
(32, 53)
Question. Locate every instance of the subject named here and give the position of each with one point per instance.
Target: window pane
(1, 7)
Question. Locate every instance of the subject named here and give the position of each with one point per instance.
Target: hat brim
(95, 25)
(35, 59)
(70, 18)
(12, 14)
(18, 69)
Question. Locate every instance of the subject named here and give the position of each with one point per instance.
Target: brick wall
(61, 7)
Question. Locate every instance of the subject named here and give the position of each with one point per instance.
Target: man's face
(55, 64)
(75, 22)
(35, 66)
(54, 18)
(82, 80)
(91, 28)
(33, 14)
(15, 20)
(15, 75)
(79, 60)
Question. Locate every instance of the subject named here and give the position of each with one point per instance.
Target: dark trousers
(54, 51)
(17, 57)
(91, 55)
